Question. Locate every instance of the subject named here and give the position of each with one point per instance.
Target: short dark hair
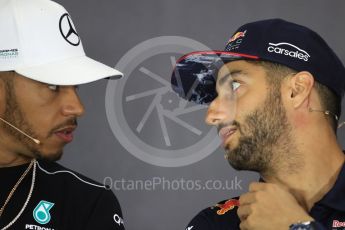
(331, 102)
(328, 99)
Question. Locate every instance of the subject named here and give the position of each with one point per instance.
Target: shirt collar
(335, 198)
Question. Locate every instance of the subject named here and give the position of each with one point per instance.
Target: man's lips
(225, 132)
(66, 133)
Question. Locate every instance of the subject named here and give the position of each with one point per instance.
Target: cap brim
(194, 76)
(72, 71)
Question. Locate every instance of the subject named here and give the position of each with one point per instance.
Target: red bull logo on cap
(237, 36)
(227, 206)
(235, 41)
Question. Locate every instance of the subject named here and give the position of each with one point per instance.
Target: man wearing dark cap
(275, 96)
(42, 60)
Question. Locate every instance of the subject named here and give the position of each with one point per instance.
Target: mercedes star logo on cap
(68, 30)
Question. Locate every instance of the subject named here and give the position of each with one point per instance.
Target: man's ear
(301, 85)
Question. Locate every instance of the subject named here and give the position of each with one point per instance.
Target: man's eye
(53, 87)
(235, 85)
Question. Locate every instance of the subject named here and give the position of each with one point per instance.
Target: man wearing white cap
(41, 62)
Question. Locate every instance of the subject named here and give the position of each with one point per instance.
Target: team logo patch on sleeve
(227, 206)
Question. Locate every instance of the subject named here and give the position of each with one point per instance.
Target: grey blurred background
(109, 29)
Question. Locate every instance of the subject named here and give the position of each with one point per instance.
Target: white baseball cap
(39, 41)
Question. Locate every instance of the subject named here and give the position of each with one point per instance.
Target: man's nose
(72, 105)
(215, 113)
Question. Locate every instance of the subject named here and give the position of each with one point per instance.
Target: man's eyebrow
(233, 73)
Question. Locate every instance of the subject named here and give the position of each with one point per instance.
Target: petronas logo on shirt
(41, 212)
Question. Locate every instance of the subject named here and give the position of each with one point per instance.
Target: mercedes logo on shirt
(68, 30)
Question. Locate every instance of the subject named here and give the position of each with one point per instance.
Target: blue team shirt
(329, 212)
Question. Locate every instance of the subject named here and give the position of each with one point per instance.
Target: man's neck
(322, 161)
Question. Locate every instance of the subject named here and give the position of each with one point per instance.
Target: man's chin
(50, 156)
(240, 161)
(234, 162)
(232, 159)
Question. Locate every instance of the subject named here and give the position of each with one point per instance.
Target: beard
(265, 141)
(14, 115)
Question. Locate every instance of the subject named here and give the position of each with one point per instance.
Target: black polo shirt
(329, 212)
(61, 199)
